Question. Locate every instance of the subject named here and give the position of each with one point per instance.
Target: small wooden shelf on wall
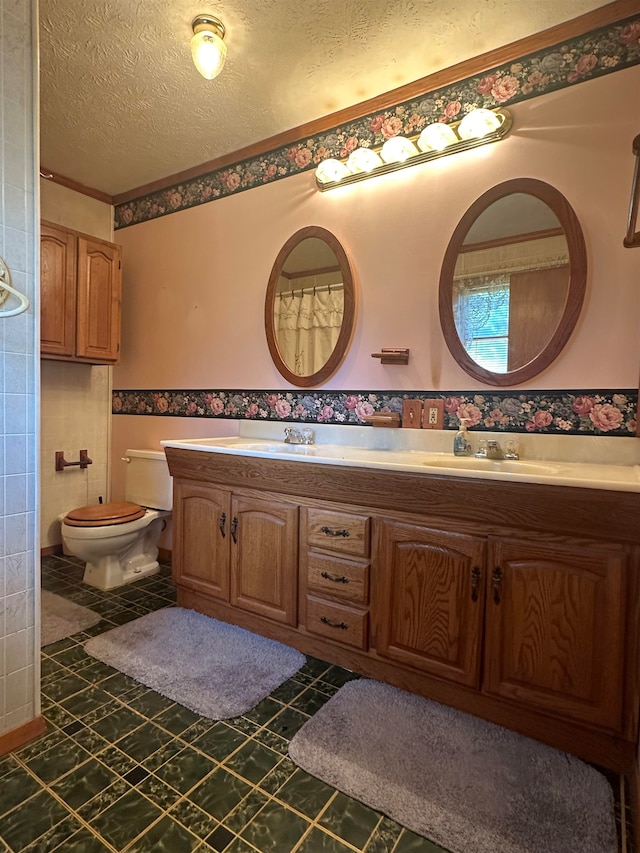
(392, 355)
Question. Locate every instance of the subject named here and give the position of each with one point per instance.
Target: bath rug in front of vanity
(468, 785)
(61, 618)
(215, 669)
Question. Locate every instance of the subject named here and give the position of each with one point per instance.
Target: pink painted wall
(194, 282)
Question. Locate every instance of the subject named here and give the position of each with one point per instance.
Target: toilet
(119, 541)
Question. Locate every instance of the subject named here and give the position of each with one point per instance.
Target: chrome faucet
(490, 449)
(297, 436)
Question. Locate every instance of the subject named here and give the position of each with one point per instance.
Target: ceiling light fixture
(478, 127)
(207, 45)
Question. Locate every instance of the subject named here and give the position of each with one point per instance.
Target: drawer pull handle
(221, 523)
(342, 625)
(334, 578)
(331, 531)
(234, 528)
(496, 582)
(475, 582)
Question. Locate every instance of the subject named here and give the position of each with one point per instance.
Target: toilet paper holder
(61, 462)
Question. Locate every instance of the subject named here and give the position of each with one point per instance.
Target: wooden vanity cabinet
(335, 549)
(80, 295)
(542, 608)
(201, 553)
(555, 628)
(430, 594)
(525, 613)
(264, 557)
(238, 549)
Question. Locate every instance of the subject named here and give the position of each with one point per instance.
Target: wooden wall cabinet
(516, 602)
(80, 296)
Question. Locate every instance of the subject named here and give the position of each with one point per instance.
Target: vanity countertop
(616, 476)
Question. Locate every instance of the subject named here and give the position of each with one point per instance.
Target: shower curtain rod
(318, 289)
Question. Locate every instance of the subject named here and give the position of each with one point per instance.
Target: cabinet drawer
(346, 625)
(339, 531)
(340, 578)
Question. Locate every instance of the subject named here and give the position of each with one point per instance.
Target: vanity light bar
(478, 127)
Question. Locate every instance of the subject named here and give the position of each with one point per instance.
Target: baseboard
(14, 739)
(51, 550)
(164, 554)
(634, 785)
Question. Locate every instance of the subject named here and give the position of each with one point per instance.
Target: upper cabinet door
(99, 295)
(58, 254)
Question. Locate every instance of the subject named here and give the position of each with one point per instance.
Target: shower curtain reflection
(308, 323)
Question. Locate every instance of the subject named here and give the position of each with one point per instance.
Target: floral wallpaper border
(594, 54)
(554, 412)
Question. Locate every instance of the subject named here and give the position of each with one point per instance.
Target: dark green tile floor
(122, 768)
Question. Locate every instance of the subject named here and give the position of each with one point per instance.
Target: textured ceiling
(122, 104)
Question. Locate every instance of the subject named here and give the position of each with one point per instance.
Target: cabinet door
(57, 292)
(201, 538)
(428, 590)
(555, 628)
(99, 294)
(264, 558)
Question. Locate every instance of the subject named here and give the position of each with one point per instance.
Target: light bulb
(331, 170)
(363, 160)
(478, 123)
(436, 137)
(398, 149)
(207, 46)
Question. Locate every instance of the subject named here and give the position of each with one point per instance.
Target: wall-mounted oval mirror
(310, 307)
(513, 282)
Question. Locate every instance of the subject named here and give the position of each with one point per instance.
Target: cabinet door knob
(234, 528)
(475, 582)
(334, 578)
(221, 523)
(496, 583)
(342, 625)
(331, 531)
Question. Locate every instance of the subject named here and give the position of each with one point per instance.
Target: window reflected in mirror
(512, 282)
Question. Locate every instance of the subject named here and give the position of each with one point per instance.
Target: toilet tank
(147, 479)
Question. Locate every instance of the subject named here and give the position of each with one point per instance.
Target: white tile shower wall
(19, 373)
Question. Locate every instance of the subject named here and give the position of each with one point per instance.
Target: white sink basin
(273, 447)
(506, 466)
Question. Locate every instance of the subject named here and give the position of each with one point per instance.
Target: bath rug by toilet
(468, 785)
(215, 669)
(61, 618)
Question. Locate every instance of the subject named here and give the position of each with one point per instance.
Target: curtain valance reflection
(308, 324)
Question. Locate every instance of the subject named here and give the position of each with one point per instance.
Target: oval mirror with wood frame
(513, 282)
(310, 307)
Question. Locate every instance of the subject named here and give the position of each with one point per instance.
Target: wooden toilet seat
(99, 515)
